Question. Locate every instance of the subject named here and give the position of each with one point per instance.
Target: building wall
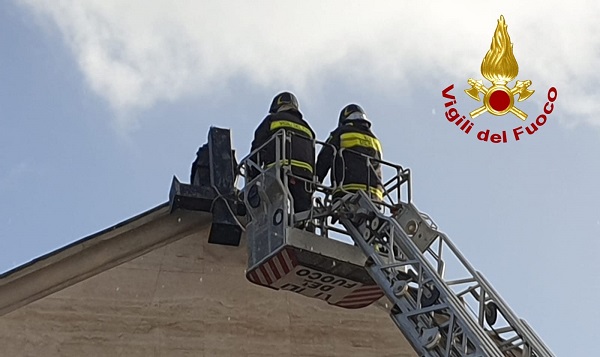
(191, 299)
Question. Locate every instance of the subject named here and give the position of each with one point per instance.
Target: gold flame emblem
(499, 66)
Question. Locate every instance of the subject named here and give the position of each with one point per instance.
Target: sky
(103, 102)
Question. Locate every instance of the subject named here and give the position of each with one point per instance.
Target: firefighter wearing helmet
(284, 113)
(351, 168)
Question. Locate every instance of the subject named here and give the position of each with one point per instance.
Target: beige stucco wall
(190, 298)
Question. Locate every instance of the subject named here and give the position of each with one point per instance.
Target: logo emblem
(499, 66)
(346, 112)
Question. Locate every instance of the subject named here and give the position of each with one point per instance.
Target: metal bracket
(213, 188)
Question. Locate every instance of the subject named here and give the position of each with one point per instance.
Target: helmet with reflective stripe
(352, 112)
(284, 101)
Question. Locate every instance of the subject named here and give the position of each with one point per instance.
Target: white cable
(221, 196)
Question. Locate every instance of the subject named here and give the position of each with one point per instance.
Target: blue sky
(101, 103)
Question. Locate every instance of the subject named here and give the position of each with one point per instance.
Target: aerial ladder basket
(442, 305)
(284, 257)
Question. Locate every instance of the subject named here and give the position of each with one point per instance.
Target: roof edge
(96, 253)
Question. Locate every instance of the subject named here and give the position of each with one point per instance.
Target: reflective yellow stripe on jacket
(353, 187)
(278, 124)
(348, 140)
(300, 164)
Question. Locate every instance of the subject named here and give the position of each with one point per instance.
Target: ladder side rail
(412, 334)
(524, 330)
(437, 256)
(403, 177)
(516, 327)
(530, 330)
(478, 312)
(406, 309)
(490, 294)
(411, 251)
(464, 320)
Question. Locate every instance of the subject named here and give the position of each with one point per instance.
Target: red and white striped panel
(361, 297)
(273, 269)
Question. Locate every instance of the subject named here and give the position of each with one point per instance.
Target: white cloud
(136, 53)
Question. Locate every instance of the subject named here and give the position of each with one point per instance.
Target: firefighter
(300, 153)
(354, 143)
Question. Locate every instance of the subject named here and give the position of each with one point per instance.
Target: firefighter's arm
(325, 158)
(261, 135)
